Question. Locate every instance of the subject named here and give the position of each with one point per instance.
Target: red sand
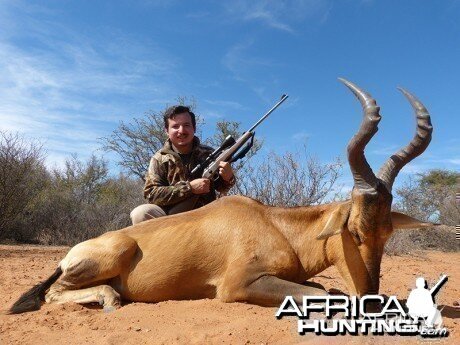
(202, 321)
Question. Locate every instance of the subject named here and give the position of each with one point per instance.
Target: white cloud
(263, 14)
(415, 168)
(452, 161)
(279, 15)
(69, 88)
(225, 104)
(386, 150)
(198, 15)
(455, 161)
(301, 136)
(239, 61)
(248, 68)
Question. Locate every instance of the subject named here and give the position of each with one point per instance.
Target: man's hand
(225, 171)
(200, 185)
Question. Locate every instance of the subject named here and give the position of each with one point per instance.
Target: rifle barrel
(283, 98)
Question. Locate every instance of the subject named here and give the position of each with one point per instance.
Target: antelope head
(368, 216)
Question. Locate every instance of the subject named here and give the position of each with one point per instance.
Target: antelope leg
(102, 294)
(270, 291)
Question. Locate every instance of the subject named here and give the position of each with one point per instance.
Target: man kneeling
(169, 186)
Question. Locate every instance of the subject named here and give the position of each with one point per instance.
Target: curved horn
(363, 175)
(419, 143)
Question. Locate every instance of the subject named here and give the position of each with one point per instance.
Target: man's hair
(178, 109)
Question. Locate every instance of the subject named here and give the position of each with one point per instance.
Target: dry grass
(440, 238)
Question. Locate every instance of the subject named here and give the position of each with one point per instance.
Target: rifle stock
(213, 169)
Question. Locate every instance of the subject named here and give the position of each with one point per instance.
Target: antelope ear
(336, 221)
(403, 221)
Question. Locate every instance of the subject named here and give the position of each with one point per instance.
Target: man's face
(180, 131)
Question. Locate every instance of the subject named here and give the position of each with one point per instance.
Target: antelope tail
(31, 300)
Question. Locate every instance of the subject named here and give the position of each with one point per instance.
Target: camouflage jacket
(167, 180)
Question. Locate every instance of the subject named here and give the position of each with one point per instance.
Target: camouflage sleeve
(157, 189)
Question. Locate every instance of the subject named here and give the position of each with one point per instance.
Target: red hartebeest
(237, 249)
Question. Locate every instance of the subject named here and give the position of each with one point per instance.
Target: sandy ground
(202, 321)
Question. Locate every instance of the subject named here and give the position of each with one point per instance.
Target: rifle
(230, 151)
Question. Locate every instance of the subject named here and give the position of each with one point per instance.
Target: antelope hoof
(109, 308)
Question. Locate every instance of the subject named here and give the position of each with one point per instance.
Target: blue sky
(71, 70)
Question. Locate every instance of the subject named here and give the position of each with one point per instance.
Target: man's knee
(146, 212)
